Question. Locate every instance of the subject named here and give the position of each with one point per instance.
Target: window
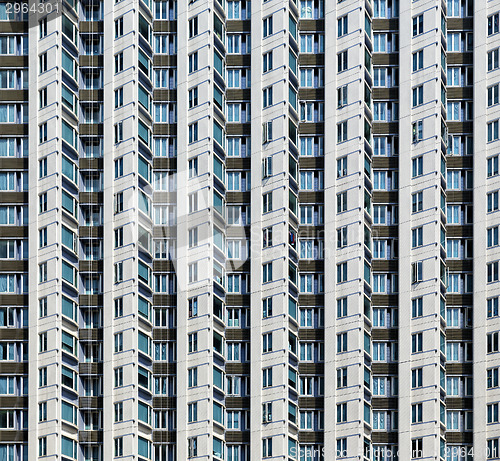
(43, 62)
(192, 412)
(493, 94)
(267, 133)
(193, 97)
(118, 27)
(118, 447)
(416, 413)
(492, 236)
(192, 342)
(418, 95)
(267, 237)
(118, 62)
(492, 272)
(193, 307)
(416, 342)
(192, 377)
(418, 25)
(267, 307)
(118, 377)
(68, 377)
(342, 26)
(493, 59)
(342, 63)
(342, 202)
(118, 98)
(42, 233)
(492, 342)
(417, 307)
(342, 96)
(42, 199)
(416, 377)
(267, 377)
(42, 446)
(118, 132)
(342, 131)
(417, 446)
(193, 132)
(42, 133)
(342, 272)
(42, 303)
(267, 61)
(267, 447)
(417, 164)
(118, 342)
(493, 24)
(418, 60)
(118, 237)
(416, 272)
(492, 413)
(42, 26)
(193, 272)
(192, 447)
(341, 448)
(267, 26)
(193, 202)
(118, 302)
(267, 342)
(193, 237)
(267, 97)
(267, 167)
(193, 62)
(193, 27)
(341, 307)
(417, 129)
(342, 167)
(267, 202)
(492, 378)
(119, 202)
(42, 411)
(42, 377)
(417, 200)
(342, 342)
(119, 167)
(267, 412)
(193, 167)
(342, 412)
(267, 272)
(342, 237)
(417, 237)
(312, 43)
(43, 272)
(118, 412)
(492, 200)
(43, 97)
(493, 131)
(341, 377)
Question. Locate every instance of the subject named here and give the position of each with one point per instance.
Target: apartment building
(240, 230)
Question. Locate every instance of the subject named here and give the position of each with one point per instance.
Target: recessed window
(267, 26)
(118, 27)
(267, 61)
(193, 27)
(418, 60)
(418, 25)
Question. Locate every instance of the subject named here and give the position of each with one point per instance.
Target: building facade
(240, 230)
